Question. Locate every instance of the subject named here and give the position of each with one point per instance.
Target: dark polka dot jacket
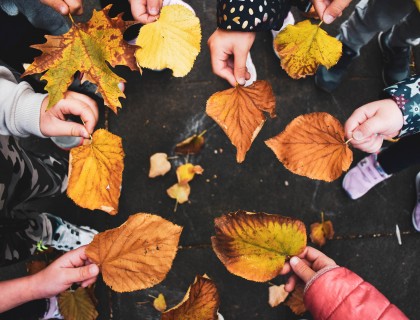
(255, 15)
(407, 96)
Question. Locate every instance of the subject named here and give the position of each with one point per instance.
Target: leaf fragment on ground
(180, 192)
(191, 145)
(77, 305)
(321, 232)
(159, 165)
(186, 172)
(295, 301)
(159, 303)
(95, 174)
(172, 41)
(255, 246)
(313, 145)
(86, 47)
(276, 295)
(136, 255)
(240, 111)
(200, 302)
(304, 46)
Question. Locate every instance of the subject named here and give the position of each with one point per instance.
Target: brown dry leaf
(200, 303)
(95, 174)
(240, 111)
(255, 246)
(186, 172)
(295, 301)
(77, 305)
(35, 266)
(159, 165)
(136, 255)
(191, 145)
(304, 46)
(180, 192)
(159, 303)
(313, 145)
(320, 232)
(276, 295)
(88, 48)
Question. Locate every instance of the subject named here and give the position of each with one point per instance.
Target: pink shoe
(416, 211)
(363, 177)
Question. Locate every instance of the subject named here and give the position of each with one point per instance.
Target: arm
(72, 267)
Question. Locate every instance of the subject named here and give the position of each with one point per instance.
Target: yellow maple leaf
(136, 255)
(77, 305)
(200, 302)
(173, 41)
(304, 46)
(86, 47)
(95, 173)
(255, 245)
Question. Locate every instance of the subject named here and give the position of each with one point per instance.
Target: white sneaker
(53, 311)
(289, 20)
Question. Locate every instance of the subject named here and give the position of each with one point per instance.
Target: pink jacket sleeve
(339, 294)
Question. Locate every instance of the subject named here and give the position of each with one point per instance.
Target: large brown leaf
(200, 303)
(240, 111)
(96, 172)
(86, 47)
(313, 145)
(77, 305)
(136, 255)
(255, 246)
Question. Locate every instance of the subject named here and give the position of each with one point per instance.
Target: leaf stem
(176, 205)
(319, 24)
(85, 125)
(151, 296)
(322, 217)
(347, 142)
(171, 158)
(202, 133)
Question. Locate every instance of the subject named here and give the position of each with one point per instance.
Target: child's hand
(229, 51)
(65, 7)
(145, 11)
(329, 10)
(53, 122)
(72, 267)
(371, 123)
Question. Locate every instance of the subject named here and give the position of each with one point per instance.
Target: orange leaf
(179, 192)
(138, 254)
(276, 295)
(200, 303)
(88, 48)
(320, 232)
(77, 305)
(295, 301)
(95, 173)
(240, 111)
(186, 172)
(313, 145)
(255, 246)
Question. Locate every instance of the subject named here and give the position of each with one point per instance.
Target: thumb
(69, 128)
(83, 273)
(368, 128)
(334, 10)
(301, 269)
(239, 66)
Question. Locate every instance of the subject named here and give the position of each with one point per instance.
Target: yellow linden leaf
(179, 192)
(186, 172)
(304, 46)
(255, 246)
(95, 173)
(173, 41)
(313, 145)
(136, 255)
(276, 295)
(201, 302)
(159, 165)
(86, 47)
(159, 303)
(77, 305)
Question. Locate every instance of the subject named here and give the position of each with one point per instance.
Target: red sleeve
(341, 294)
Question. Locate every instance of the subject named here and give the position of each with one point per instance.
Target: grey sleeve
(20, 107)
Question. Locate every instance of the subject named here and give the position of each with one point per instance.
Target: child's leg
(407, 32)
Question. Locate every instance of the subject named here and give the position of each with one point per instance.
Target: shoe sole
(414, 210)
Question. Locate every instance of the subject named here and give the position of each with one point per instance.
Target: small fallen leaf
(304, 46)
(88, 48)
(159, 165)
(180, 192)
(313, 145)
(77, 305)
(191, 145)
(172, 41)
(95, 173)
(295, 301)
(201, 302)
(276, 295)
(159, 303)
(186, 172)
(320, 232)
(136, 255)
(240, 111)
(34, 266)
(255, 246)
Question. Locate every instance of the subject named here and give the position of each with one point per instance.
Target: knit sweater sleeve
(407, 96)
(20, 107)
(251, 15)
